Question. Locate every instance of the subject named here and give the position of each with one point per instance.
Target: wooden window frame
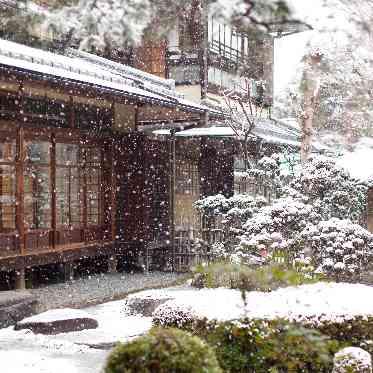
(12, 137)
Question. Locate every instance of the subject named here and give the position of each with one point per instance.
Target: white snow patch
(357, 162)
(57, 315)
(321, 301)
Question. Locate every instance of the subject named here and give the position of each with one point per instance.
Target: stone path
(100, 288)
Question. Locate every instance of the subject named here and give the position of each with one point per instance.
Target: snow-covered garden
(93, 178)
(342, 311)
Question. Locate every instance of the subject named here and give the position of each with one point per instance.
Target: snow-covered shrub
(238, 276)
(226, 215)
(291, 228)
(330, 189)
(259, 346)
(352, 360)
(276, 227)
(242, 204)
(173, 314)
(319, 194)
(163, 350)
(338, 248)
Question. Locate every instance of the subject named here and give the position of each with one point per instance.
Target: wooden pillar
(113, 190)
(68, 271)
(53, 190)
(20, 213)
(20, 280)
(172, 195)
(204, 51)
(85, 203)
(72, 121)
(112, 264)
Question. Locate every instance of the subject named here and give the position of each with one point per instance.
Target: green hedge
(267, 346)
(163, 351)
(236, 276)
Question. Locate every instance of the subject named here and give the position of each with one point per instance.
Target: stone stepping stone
(144, 306)
(58, 321)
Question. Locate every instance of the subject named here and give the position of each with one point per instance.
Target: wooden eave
(88, 90)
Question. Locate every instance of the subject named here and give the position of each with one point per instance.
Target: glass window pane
(7, 151)
(69, 197)
(37, 198)
(38, 152)
(62, 192)
(67, 154)
(93, 195)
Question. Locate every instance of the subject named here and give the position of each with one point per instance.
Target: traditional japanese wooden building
(81, 173)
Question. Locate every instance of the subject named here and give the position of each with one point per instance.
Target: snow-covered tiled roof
(86, 68)
(268, 131)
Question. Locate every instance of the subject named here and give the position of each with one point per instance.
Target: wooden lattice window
(7, 184)
(69, 186)
(187, 191)
(37, 198)
(93, 185)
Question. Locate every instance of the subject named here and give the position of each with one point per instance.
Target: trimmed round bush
(352, 360)
(163, 351)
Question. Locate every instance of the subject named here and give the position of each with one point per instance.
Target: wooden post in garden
(20, 281)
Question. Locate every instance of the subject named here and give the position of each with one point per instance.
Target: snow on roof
(213, 131)
(268, 135)
(124, 70)
(96, 71)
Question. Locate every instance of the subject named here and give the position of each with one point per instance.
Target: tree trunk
(310, 87)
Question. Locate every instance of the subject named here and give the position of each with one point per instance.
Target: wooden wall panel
(154, 113)
(130, 183)
(216, 168)
(151, 58)
(157, 189)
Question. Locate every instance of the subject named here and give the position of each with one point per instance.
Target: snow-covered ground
(24, 352)
(314, 302)
(358, 160)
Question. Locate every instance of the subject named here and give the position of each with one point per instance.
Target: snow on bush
(338, 248)
(330, 189)
(352, 360)
(217, 205)
(276, 227)
(315, 221)
(307, 221)
(174, 314)
(99, 24)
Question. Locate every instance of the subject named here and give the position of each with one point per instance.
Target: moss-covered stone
(163, 351)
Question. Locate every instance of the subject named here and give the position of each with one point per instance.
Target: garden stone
(144, 306)
(58, 321)
(15, 306)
